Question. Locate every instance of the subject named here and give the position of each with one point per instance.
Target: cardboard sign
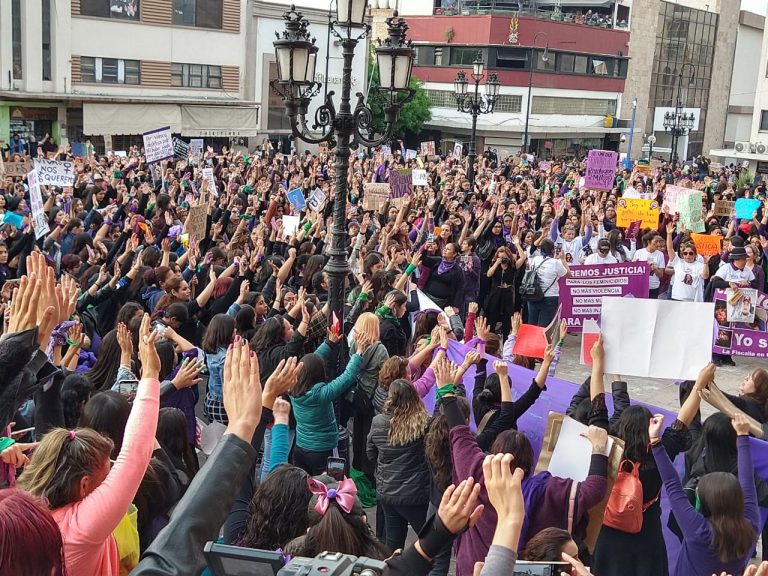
(689, 208)
(375, 195)
(643, 337)
(17, 169)
(544, 166)
(180, 148)
(428, 148)
(55, 172)
(630, 210)
(401, 182)
(601, 169)
(316, 201)
(724, 208)
(707, 244)
(671, 196)
(745, 207)
(196, 149)
(419, 177)
(296, 198)
(197, 221)
(36, 206)
(158, 144)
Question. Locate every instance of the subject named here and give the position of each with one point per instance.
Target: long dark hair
(517, 444)
(107, 413)
(716, 445)
(722, 503)
(438, 447)
(314, 265)
(219, 334)
(486, 399)
(75, 392)
(313, 372)
(268, 335)
(104, 371)
(172, 436)
(278, 509)
(632, 427)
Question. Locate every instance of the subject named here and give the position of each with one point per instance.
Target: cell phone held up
(335, 467)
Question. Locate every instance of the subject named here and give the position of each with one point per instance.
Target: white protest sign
(458, 149)
(55, 172)
(158, 145)
(208, 175)
(36, 206)
(573, 452)
(290, 225)
(196, 149)
(316, 201)
(419, 177)
(656, 338)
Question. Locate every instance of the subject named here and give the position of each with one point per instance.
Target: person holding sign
(690, 271)
(652, 254)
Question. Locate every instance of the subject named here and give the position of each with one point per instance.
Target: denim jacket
(216, 369)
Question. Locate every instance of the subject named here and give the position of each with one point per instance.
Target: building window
(121, 9)
(438, 56)
(576, 106)
(565, 62)
(512, 58)
(599, 67)
(580, 64)
(109, 71)
(276, 117)
(18, 69)
(195, 76)
(199, 13)
(464, 56)
(764, 121)
(46, 39)
(541, 63)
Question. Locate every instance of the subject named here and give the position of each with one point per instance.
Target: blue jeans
(542, 312)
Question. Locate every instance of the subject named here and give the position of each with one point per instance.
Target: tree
(412, 116)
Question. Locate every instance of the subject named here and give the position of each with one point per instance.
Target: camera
(333, 564)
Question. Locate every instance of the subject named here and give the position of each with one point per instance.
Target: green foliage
(412, 116)
(745, 179)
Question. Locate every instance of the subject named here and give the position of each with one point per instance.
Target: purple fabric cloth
(444, 266)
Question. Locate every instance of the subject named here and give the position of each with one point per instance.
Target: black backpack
(530, 287)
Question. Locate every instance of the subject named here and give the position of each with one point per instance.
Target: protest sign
(108, 143)
(644, 337)
(196, 149)
(581, 295)
(724, 208)
(458, 149)
(745, 207)
(706, 244)
(741, 338)
(532, 340)
(741, 304)
(13, 219)
(633, 230)
(290, 225)
(296, 198)
(55, 172)
(601, 169)
(573, 452)
(428, 148)
(197, 221)
(689, 208)
(375, 195)
(180, 148)
(419, 177)
(645, 169)
(386, 150)
(158, 144)
(401, 182)
(36, 206)
(316, 200)
(16, 169)
(671, 196)
(79, 149)
(208, 175)
(629, 210)
(590, 333)
(410, 154)
(544, 166)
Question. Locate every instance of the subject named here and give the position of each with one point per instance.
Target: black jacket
(402, 475)
(393, 336)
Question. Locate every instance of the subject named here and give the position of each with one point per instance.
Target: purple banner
(401, 182)
(741, 338)
(601, 169)
(581, 295)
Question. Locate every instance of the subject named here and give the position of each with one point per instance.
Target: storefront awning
(186, 119)
(202, 121)
(118, 119)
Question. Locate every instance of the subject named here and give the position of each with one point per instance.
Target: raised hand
(655, 425)
(188, 374)
(150, 361)
(740, 424)
(281, 380)
(242, 390)
(504, 487)
(458, 508)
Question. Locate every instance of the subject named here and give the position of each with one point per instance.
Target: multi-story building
(570, 63)
(80, 69)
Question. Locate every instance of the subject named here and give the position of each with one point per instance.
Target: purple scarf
(533, 492)
(444, 266)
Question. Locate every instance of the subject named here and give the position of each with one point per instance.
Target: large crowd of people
(132, 330)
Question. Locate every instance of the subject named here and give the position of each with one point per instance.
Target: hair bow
(344, 494)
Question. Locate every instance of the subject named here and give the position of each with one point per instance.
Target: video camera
(226, 560)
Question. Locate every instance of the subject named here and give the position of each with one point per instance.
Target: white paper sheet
(656, 338)
(573, 452)
(290, 225)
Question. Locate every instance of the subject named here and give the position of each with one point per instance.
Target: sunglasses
(689, 253)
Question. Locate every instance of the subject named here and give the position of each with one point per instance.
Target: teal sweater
(316, 426)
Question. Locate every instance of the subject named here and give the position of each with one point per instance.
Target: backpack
(530, 287)
(625, 507)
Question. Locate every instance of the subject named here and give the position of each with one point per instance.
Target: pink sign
(601, 169)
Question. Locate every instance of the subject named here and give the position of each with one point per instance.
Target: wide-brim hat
(737, 253)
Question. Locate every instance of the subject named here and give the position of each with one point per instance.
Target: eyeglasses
(689, 253)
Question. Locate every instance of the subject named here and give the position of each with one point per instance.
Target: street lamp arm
(362, 118)
(299, 129)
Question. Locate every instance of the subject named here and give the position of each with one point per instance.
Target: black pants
(360, 430)
(653, 293)
(397, 519)
(313, 463)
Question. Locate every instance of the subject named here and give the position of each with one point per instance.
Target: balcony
(596, 13)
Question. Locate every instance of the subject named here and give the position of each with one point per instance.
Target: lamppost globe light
(395, 58)
(651, 139)
(492, 86)
(478, 67)
(460, 84)
(351, 12)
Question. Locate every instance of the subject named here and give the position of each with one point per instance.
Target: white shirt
(687, 283)
(549, 270)
(595, 258)
(731, 274)
(571, 248)
(656, 258)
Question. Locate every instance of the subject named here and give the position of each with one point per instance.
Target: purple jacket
(550, 510)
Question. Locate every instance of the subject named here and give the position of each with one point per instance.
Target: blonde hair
(409, 418)
(61, 460)
(368, 324)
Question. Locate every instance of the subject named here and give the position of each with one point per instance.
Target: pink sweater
(86, 526)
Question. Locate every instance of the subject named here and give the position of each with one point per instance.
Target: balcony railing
(584, 16)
